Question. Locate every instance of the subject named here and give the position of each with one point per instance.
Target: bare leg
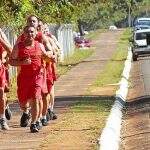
(2, 103)
(34, 110)
(3, 122)
(51, 104)
(45, 104)
(40, 108)
(52, 99)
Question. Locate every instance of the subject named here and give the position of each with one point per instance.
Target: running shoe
(52, 115)
(3, 124)
(33, 128)
(44, 122)
(24, 121)
(8, 113)
(39, 124)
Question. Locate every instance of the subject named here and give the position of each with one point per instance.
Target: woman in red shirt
(28, 55)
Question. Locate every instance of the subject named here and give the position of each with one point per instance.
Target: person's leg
(3, 122)
(8, 113)
(34, 103)
(45, 119)
(24, 120)
(38, 122)
(51, 104)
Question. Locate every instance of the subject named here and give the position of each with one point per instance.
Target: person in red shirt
(51, 70)
(51, 73)
(5, 50)
(28, 54)
(40, 37)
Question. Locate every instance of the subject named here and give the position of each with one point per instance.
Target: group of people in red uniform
(35, 55)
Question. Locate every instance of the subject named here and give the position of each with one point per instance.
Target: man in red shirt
(28, 54)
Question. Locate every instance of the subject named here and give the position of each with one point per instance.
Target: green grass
(78, 56)
(113, 70)
(81, 125)
(12, 94)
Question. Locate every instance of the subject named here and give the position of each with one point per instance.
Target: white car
(141, 43)
(113, 27)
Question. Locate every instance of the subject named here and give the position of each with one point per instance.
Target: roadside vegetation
(84, 121)
(69, 62)
(93, 14)
(111, 74)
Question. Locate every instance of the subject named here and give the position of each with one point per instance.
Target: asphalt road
(136, 122)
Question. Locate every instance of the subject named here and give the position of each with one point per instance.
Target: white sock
(39, 119)
(2, 115)
(44, 117)
(51, 108)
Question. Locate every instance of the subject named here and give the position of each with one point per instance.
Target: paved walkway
(78, 79)
(74, 83)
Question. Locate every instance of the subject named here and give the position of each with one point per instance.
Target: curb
(110, 137)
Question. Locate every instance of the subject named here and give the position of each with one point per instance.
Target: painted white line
(110, 137)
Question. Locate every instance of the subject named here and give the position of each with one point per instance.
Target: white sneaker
(3, 124)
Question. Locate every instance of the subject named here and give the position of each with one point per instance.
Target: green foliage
(94, 13)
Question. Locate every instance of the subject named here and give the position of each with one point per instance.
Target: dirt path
(74, 83)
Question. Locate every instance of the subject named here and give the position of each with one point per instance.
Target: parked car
(142, 23)
(140, 43)
(141, 27)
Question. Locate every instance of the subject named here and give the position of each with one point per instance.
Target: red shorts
(50, 84)
(29, 87)
(44, 82)
(3, 80)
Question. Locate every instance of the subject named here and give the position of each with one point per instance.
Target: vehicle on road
(140, 43)
(142, 23)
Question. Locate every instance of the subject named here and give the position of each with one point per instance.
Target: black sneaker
(52, 115)
(39, 124)
(24, 121)
(8, 113)
(3, 124)
(33, 128)
(48, 116)
(44, 122)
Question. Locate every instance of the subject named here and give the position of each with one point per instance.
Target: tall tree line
(94, 13)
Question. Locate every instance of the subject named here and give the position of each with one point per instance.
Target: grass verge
(80, 126)
(12, 94)
(113, 70)
(78, 56)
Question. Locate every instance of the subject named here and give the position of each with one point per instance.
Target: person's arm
(15, 60)
(46, 55)
(5, 43)
(58, 49)
(56, 41)
(47, 44)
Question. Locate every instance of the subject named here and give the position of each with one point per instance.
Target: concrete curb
(110, 137)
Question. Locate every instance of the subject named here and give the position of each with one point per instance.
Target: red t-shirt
(34, 53)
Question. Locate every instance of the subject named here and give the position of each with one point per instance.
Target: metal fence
(64, 34)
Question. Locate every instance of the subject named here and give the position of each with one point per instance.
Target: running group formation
(35, 55)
